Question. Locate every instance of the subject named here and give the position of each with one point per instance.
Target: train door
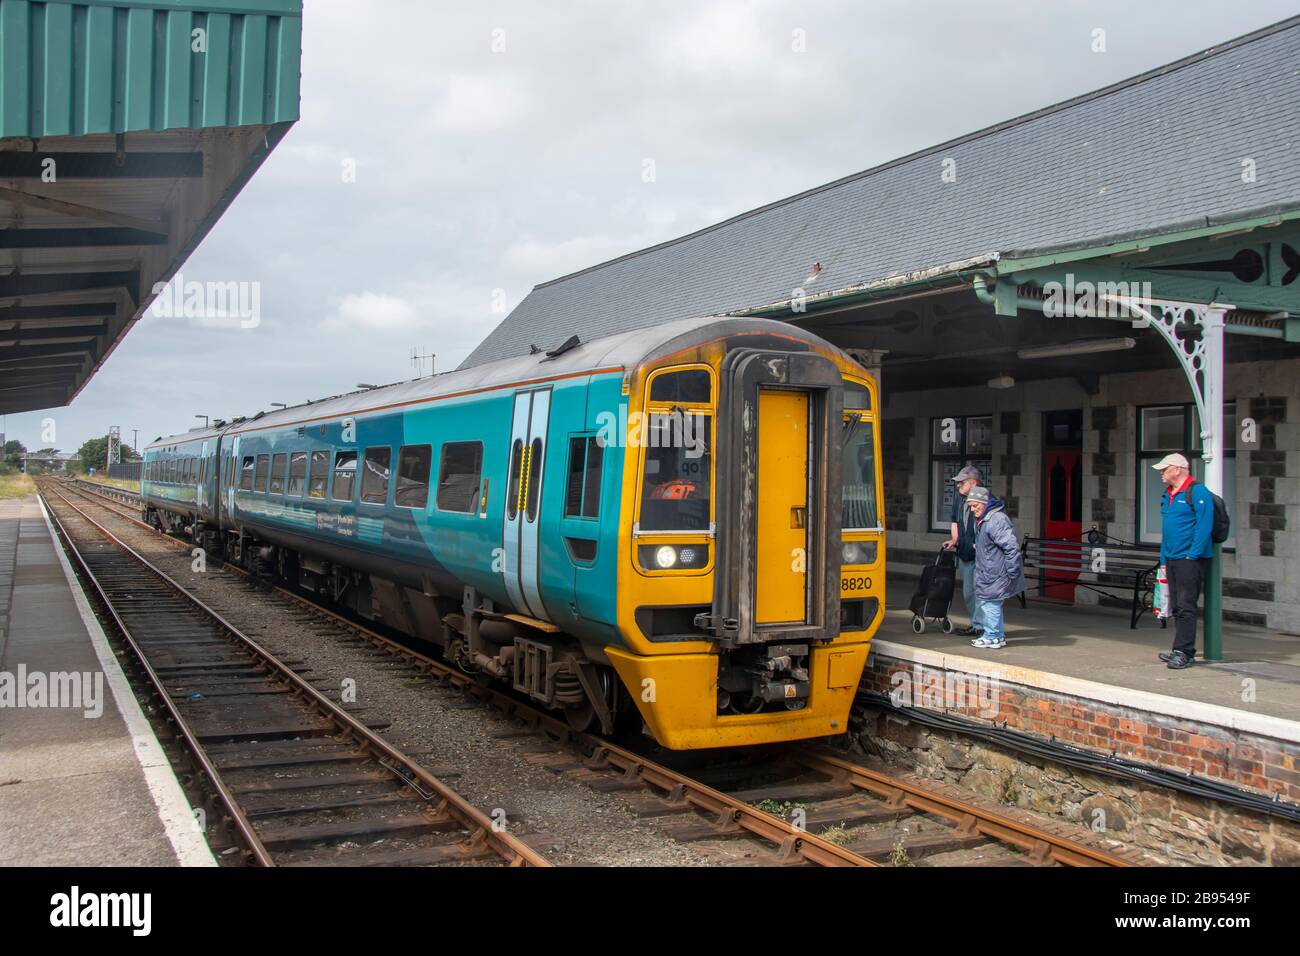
(781, 569)
(524, 499)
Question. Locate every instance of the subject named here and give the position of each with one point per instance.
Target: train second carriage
(678, 527)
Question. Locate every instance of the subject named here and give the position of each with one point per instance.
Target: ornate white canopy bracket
(1194, 331)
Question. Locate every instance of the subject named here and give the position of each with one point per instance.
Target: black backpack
(1222, 526)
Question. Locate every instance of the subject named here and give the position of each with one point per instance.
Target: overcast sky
(481, 171)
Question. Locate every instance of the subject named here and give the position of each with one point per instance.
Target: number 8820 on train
(674, 528)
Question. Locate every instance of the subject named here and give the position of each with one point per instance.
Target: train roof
(623, 351)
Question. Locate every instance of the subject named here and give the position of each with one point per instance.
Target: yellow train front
(751, 522)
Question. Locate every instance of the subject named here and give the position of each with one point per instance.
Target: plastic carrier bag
(1160, 595)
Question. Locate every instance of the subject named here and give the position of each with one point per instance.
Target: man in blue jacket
(1187, 511)
(999, 565)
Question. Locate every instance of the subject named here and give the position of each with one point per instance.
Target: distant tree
(94, 453)
(13, 452)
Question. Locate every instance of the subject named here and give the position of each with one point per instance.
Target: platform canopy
(126, 130)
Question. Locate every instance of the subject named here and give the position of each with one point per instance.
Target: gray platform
(74, 790)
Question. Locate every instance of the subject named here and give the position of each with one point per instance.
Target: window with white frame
(955, 442)
(1163, 429)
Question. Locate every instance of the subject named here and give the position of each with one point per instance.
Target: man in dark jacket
(999, 565)
(1186, 547)
(962, 541)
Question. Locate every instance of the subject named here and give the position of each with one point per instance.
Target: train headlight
(666, 556)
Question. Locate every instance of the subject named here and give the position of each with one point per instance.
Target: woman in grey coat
(999, 565)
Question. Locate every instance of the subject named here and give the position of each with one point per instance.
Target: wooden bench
(1128, 567)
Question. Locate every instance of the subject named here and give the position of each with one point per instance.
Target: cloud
(373, 310)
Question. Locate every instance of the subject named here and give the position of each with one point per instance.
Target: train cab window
(374, 477)
(262, 473)
(413, 465)
(582, 489)
(345, 473)
(856, 397)
(246, 474)
(459, 471)
(858, 466)
(512, 490)
(297, 473)
(687, 387)
(277, 474)
(320, 474)
(534, 479)
(675, 489)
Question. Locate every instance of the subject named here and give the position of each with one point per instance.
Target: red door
(1062, 514)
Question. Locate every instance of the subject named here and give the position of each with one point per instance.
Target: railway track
(798, 804)
(295, 778)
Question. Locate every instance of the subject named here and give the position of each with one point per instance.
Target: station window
(955, 442)
(345, 473)
(277, 474)
(458, 475)
(262, 473)
(374, 478)
(1173, 428)
(246, 474)
(297, 473)
(582, 488)
(414, 463)
(320, 474)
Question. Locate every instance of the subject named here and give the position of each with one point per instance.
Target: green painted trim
(1008, 264)
(121, 66)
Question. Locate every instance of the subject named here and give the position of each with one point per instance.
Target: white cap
(1174, 459)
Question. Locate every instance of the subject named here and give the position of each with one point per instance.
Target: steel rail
(479, 825)
(969, 818)
(1038, 843)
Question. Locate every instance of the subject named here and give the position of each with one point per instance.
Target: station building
(1061, 300)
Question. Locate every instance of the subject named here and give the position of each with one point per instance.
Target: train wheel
(918, 625)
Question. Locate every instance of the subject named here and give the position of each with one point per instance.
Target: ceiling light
(1086, 347)
(1002, 381)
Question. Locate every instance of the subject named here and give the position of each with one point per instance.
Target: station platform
(83, 779)
(1080, 675)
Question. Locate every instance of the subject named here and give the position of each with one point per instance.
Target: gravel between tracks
(428, 723)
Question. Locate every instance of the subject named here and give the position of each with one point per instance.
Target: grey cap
(978, 493)
(970, 471)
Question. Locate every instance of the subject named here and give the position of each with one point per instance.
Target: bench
(1128, 567)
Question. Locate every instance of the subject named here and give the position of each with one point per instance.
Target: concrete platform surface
(83, 780)
(1260, 673)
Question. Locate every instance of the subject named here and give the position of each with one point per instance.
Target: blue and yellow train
(681, 522)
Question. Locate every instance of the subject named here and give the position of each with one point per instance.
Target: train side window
(297, 473)
(320, 474)
(413, 465)
(345, 473)
(458, 476)
(512, 491)
(688, 387)
(374, 478)
(277, 474)
(582, 492)
(203, 470)
(534, 478)
(246, 474)
(262, 473)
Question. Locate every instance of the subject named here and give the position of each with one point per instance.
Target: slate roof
(1158, 153)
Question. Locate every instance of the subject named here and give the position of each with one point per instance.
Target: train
(675, 529)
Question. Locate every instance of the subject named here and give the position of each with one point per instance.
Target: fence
(129, 470)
